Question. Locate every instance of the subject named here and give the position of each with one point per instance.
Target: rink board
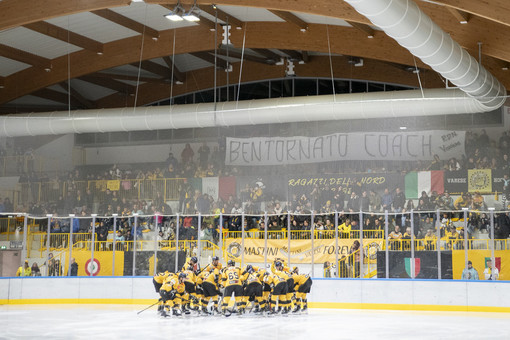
(480, 296)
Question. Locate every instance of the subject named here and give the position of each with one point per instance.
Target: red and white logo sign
(92, 267)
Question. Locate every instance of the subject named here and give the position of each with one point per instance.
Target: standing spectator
(74, 268)
(24, 270)
(387, 200)
(470, 273)
(399, 200)
(491, 273)
(354, 258)
(35, 270)
(327, 269)
(203, 155)
(375, 201)
(8, 206)
(187, 154)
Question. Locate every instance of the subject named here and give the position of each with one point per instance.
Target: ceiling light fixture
(179, 14)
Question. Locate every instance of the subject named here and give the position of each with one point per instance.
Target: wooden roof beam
(210, 59)
(110, 84)
(292, 19)
(55, 96)
(178, 75)
(128, 77)
(369, 31)
(76, 95)
(126, 22)
(235, 54)
(65, 35)
(461, 16)
(225, 17)
(154, 68)
(268, 54)
(25, 57)
(294, 55)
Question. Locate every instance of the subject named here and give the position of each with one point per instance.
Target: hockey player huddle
(254, 289)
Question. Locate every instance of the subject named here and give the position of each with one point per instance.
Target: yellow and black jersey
(254, 277)
(161, 277)
(231, 276)
(279, 276)
(212, 277)
(172, 283)
(300, 279)
(190, 276)
(196, 266)
(285, 267)
(211, 267)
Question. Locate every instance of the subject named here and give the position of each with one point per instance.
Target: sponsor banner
(300, 250)
(425, 264)
(359, 182)
(345, 146)
(479, 259)
(497, 179)
(480, 180)
(456, 181)
(113, 185)
(101, 266)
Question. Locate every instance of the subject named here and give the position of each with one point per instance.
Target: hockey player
(280, 289)
(232, 281)
(303, 283)
(253, 290)
(190, 284)
(267, 284)
(158, 281)
(172, 292)
(215, 264)
(210, 281)
(193, 263)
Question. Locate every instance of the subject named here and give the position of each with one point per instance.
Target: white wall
(331, 293)
(139, 153)
(58, 154)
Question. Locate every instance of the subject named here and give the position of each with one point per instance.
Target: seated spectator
(394, 238)
(430, 240)
(35, 270)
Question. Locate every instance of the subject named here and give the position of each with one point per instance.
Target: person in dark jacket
(74, 268)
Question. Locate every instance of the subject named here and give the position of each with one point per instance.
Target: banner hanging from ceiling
(405, 146)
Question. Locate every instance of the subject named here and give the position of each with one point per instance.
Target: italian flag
(427, 181)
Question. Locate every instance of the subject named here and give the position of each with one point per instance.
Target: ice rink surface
(123, 322)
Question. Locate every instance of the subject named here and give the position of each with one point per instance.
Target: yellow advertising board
(480, 180)
(478, 258)
(300, 250)
(113, 185)
(102, 264)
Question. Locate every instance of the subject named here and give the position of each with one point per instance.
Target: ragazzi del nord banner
(300, 250)
(404, 146)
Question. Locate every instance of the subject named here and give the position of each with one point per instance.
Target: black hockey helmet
(194, 259)
(231, 263)
(182, 276)
(278, 264)
(249, 268)
(215, 258)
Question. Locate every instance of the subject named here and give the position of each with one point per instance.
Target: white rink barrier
(446, 295)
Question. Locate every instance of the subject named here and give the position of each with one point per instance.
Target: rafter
(225, 17)
(461, 16)
(128, 77)
(238, 55)
(110, 84)
(295, 55)
(126, 22)
(369, 31)
(25, 57)
(291, 18)
(178, 75)
(267, 53)
(210, 59)
(65, 35)
(55, 96)
(154, 68)
(78, 96)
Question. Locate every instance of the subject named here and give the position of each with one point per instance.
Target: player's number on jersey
(233, 276)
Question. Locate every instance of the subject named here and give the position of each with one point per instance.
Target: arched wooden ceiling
(485, 22)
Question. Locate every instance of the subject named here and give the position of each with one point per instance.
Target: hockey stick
(148, 307)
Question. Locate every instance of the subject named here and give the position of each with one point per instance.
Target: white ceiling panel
(9, 66)
(319, 19)
(128, 70)
(27, 40)
(151, 15)
(34, 100)
(187, 62)
(250, 13)
(93, 26)
(90, 91)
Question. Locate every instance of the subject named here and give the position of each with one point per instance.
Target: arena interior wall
(386, 294)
